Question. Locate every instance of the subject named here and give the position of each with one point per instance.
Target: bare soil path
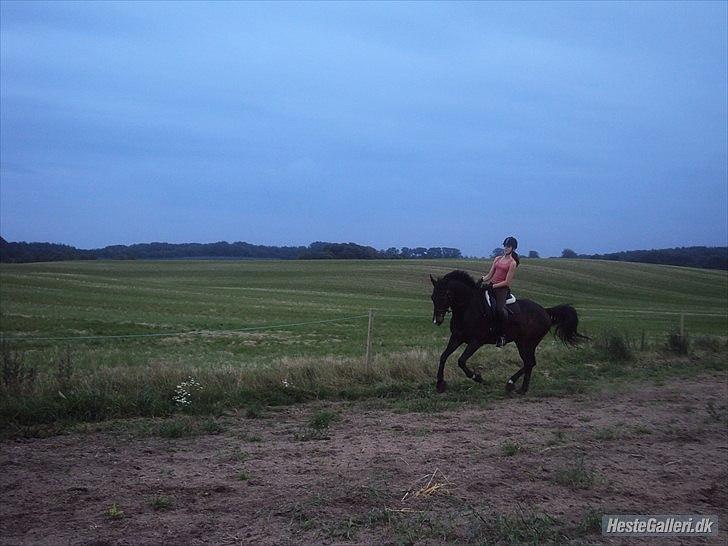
(520, 469)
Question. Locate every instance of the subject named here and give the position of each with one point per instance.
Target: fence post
(682, 326)
(368, 362)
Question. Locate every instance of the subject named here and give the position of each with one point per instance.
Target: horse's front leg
(467, 353)
(453, 344)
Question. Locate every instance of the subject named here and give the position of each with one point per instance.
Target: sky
(597, 126)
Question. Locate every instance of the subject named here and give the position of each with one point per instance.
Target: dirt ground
(521, 469)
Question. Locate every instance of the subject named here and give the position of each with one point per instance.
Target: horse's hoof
(510, 386)
(477, 378)
(440, 386)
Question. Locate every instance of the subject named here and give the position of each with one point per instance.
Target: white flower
(286, 384)
(183, 391)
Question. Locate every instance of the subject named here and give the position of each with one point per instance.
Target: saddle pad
(510, 300)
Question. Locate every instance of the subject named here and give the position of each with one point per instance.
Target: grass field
(222, 320)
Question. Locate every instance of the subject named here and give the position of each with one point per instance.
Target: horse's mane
(461, 276)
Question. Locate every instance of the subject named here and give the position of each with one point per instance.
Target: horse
(471, 322)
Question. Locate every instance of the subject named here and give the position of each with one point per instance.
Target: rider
(499, 278)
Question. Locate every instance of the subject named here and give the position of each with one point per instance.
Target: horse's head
(440, 300)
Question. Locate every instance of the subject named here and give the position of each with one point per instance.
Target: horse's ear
(434, 282)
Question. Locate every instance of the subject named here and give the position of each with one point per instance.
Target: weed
(254, 411)
(557, 437)
(176, 427)
(678, 344)
(374, 493)
(211, 426)
(520, 529)
(322, 419)
(308, 434)
(318, 426)
(575, 476)
(607, 433)
(413, 529)
(616, 346)
(716, 413)
(114, 512)
(304, 517)
(162, 503)
(18, 376)
(591, 522)
(246, 437)
(243, 476)
(642, 430)
(343, 530)
(509, 448)
(377, 516)
(677, 433)
(238, 455)
(709, 343)
(64, 369)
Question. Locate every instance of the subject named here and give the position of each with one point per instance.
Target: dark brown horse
(471, 323)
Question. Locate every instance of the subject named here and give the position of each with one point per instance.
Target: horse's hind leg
(528, 355)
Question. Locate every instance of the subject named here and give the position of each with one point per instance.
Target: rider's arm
(487, 277)
(509, 276)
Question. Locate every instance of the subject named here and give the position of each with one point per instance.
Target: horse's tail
(565, 319)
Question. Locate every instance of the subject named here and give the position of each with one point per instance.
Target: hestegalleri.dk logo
(659, 525)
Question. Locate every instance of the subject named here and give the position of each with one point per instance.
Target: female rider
(499, 278)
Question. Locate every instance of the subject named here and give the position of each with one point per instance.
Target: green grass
(322, 419)
(156, 297)
(162, 503)
(114, 512)
(509, 448)
(630, 309)
(607, 433)
(520, 529)
(318, 426)
(577, 475)
(243, 476)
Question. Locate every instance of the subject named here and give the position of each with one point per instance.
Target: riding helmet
(511, 241)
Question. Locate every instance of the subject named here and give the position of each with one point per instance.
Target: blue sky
(594, 126)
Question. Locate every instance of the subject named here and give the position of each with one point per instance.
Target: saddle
(488, 304)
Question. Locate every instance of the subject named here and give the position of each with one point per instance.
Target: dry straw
(433, 486)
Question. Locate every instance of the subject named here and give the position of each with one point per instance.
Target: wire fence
(584, 315)
(187, 333)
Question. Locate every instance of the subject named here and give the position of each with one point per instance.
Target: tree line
(49, 252)
(694, 256)
(704, 257)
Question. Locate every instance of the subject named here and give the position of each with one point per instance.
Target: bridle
(447, 309)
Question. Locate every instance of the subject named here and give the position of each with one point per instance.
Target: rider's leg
(501, 294)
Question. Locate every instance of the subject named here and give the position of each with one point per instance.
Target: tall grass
(406, 378)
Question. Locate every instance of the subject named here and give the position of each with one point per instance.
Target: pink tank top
(501, 271)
